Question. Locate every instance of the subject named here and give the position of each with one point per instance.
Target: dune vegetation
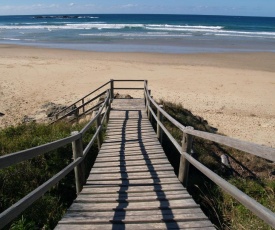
(250, 174)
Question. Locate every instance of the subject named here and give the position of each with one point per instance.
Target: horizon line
(218, 15)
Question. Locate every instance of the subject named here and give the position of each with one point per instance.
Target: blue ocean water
(141, 33)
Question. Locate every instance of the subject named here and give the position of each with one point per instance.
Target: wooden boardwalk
(132, 184)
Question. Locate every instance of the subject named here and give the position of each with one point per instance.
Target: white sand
(233, 92)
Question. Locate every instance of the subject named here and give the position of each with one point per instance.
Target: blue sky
(212, 7)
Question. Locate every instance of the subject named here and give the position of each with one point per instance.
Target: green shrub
(20, 179)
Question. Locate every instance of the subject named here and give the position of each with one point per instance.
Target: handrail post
(149, 105)
(112, 89)
(187, 141)
(145, 98)
(83, 108)
(159, 129)
(79, 170)
(108, 107)
(77, 116)
(98, 124)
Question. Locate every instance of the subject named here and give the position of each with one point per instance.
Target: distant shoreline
(143, 48)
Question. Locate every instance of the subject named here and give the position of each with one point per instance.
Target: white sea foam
(75, 26)
(242, 35)
(135, 35)
(152, 29)
(87, 17)
(11, 39)
(183, 27)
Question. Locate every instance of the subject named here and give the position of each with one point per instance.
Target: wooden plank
(116, 133)
(135, 219)
(191, 225)
(98, 177)
(129, 143)
(133, 137)
(129, 147)
(136, 153)
(112, 158)
(110, 214)
(148, 150)
(144, 168)
(124, 163)
(125, 198)
(130, 132)
(88, 189)
(148, 205)
(132, 175)
(135, 181)
(127, 194)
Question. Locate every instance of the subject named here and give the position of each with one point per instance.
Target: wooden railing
(78, 154)
(79, 107)
(102, 115)
(185, 150)
(86, 105)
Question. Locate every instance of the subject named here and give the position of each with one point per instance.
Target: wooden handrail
(83, 97)
(77, 108)
(259, 210)
(14, 158)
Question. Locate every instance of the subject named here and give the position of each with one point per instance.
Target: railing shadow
(120, 211)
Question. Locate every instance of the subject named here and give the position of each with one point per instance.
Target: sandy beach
(234, 92)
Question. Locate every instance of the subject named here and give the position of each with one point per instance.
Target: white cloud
(53, 6)
(129, 5)
(72, 4)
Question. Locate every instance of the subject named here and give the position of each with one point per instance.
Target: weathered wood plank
(126, 163)
(110, 214)
(179, 225)
(128, 194)
(135, 219)
(87, 189)
(148, 152)
(114, 158)
(125, 198)
(143, 168)
(205, 225)
(135, 181)
(138, 175)
(148, 205)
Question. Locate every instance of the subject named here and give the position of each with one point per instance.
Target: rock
(2, 114)
(48, 111)
(27, 119)
(122, 96)
(52, 109)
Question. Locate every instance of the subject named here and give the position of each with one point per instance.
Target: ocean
(141, 33)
